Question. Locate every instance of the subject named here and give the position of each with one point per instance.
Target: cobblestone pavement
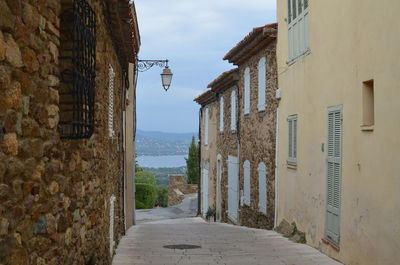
(220, 244)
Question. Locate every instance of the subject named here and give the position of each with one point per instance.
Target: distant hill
(153, 143)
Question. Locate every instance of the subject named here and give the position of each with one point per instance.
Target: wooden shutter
(206, 127)
(247, 90)
(246, 171)
(292, 140)
(334, 173)
(233, 111)
(298, 29)
(262, 187)
(261, 83)
(233, 181)
(205, 191)
(221, 115)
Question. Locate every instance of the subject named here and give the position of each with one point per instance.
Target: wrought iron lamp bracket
(144, 65)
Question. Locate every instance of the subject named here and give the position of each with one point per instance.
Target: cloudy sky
(194, 35)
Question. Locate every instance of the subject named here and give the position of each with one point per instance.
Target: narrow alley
(195, 241)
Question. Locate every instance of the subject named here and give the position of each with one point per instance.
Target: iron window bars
(78, 71)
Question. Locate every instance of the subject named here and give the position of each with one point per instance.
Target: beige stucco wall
(209, 152)
(130, 152)
(350, 42)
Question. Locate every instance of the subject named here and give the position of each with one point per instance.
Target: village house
(338, 155)
(225, 187)
(207, 146)
(255, 57)
(238, 172)
(66, 129)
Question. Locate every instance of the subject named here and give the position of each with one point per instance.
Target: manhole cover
(182, 246)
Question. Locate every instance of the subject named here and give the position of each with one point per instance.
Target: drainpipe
(278, 97)
(199, 184)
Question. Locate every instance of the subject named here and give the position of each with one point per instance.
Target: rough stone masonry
(54, 193)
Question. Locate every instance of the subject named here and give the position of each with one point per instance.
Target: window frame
(246, 98)
(298, 22)
(262, 83)
(221, 114)
(233, 110)
(292, 140)
(206, 119)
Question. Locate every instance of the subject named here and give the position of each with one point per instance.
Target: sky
(194, 36)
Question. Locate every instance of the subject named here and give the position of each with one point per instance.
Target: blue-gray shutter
(262, 83)
(205, 191)
(298, 29)
(334, 173)
(233, 187)
(206, 127)
(247, 90)
(246, 170)
(233, 110)
(292, 140)
(262, 188)
(221, 115)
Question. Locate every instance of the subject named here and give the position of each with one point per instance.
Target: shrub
(162, 196)
(145, 196)
(145, 177)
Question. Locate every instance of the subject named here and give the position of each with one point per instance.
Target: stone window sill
(367, 128)
(289, 166)
(333, 245)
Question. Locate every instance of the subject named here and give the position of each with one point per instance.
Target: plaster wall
(209, 152)
(350, 42)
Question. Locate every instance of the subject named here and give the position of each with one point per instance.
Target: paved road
(219, 244)
(188, 208)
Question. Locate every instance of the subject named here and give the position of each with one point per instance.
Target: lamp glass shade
(166, 78)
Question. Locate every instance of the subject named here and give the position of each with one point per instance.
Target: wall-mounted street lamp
(166, 75)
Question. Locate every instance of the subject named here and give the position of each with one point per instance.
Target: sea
(162, 161)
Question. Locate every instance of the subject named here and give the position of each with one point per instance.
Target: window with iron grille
(111, 76)
(78, 64)
(292, 141)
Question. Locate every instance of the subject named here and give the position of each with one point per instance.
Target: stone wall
(54, 193)
(257, 138)
(177, 189)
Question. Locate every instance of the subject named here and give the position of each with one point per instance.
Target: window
(221, 114)
(246, 192)
(262, 188)
(206, 127)
(247, 90)
(261, 83)
(78, 70)
(111, 76)
(233, 111)
(292, 142)
(368, 103)
(298, 29)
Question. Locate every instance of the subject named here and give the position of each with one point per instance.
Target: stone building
(225, 88)
(207, 146)
(65, 195)
(255, 57)
(338, 155)
(239, 171)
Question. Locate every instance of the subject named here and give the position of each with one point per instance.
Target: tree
(137, 168)
(162, 196)
(145, 194)
(192, 163)
(145, 177)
